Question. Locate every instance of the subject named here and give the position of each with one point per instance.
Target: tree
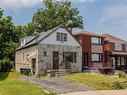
(54, 14)
(9, 39)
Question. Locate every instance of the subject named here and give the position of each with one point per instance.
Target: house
(115, 51)
(102, 52)
(48, 51)
(92, 49)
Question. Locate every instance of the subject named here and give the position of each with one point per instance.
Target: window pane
(96, 40)
(118, 46)
(58, 37)
(69, 57)
(65, 37)
(97, 57)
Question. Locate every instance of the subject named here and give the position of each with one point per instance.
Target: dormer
(25, 40)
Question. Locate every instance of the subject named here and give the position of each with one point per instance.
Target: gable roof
(42, 36)
(111, 38)
(84, 32)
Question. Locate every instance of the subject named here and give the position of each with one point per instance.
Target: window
(45, 54)
(69, 57)
(96, 40)
(61, 37)
(97, 57)
(118, 46)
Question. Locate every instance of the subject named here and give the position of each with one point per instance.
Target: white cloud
(114, 12)
(18, 4)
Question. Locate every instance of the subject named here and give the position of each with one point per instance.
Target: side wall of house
(23, 58)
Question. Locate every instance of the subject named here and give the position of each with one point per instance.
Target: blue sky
(100, 16)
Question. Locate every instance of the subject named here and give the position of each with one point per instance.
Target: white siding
(51, 39)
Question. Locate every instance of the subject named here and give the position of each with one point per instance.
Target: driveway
(104, 92)
(58, 85)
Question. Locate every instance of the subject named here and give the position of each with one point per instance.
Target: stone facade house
(48, 51)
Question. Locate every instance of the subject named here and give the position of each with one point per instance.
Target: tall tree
(54, 14)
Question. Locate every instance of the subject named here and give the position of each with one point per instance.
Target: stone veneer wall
(22, 60)
(46, 62)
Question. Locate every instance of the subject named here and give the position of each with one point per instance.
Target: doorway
(55, 60)
(86, 59)
(33, 65)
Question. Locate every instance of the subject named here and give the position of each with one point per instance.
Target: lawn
(99, 82)
(11, 85)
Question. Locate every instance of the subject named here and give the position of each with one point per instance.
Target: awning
(119, 53)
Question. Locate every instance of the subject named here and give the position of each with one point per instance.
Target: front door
(55, 60)
(85, 59)
(113, 62)
(33, 65)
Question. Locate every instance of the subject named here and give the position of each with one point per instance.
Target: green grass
(11, 85)
(99, 82)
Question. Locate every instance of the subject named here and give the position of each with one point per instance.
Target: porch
(119, 61)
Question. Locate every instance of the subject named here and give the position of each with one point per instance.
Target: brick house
(48, 50)
(92, 49)
(102, 52)
(115, 51)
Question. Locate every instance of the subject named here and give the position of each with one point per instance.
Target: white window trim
(118, 46)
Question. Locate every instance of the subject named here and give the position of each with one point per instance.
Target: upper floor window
(118, 46)
(96, 40)
(61, 37)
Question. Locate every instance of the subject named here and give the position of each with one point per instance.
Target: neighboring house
(48, 50)
(103, 52)
(92, 49)
(115, 52)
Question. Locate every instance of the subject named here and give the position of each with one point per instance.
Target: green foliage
(11, 85)
(9, 40)
(99, 82)
(53, 14)
(6, 65)
(122, 74)
(118, 85)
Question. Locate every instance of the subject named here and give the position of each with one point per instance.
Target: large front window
(69, 57)
(61, 37)
(96, 40)
(96, 57)
(118, 46)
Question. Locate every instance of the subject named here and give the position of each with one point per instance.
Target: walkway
(58, 85)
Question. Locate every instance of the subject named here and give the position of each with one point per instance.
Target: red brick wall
(86, 46)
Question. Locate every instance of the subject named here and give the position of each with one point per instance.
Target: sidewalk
(103, 92)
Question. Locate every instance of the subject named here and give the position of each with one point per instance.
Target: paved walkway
(58, 85)
(104, 92)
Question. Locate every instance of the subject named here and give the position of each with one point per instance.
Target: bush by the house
(6, 65)
(121, 74)
(118, 85)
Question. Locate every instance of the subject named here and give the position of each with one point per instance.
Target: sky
(100, 16)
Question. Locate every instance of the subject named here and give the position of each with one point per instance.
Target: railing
(107, 64)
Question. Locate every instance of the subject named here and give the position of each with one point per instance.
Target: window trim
(62, 37)
(74, 55)
(100, 40)
(119, 48)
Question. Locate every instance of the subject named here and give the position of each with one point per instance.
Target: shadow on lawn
(3, 75)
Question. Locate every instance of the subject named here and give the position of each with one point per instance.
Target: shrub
(121, 74)
(118, 85)
(6, 65)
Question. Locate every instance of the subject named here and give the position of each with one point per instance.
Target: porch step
(61, 72)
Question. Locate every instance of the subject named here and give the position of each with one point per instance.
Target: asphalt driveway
(58, 85)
